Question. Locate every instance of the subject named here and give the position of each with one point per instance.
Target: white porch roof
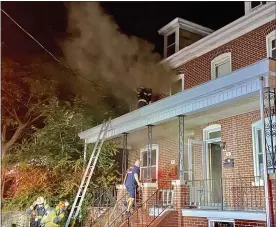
(230, 88)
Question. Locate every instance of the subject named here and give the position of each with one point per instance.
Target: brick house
(202, 147)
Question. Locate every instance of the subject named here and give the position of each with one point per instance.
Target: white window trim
(269, 38)
(206, 131)
(217, 60)
(256, 125)
(176, 78)
(176, 41)
(145, 149)
(211, 221)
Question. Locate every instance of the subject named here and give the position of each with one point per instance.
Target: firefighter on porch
(37, 210)
(144, 96)
(55, 216)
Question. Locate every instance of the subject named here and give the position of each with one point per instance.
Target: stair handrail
(137, 209)
(99, 204)
(114, 208)
(145, 202)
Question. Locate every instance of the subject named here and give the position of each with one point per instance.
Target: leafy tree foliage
(47, 157)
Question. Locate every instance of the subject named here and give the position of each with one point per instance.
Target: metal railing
(143, 212)
(243, 194)
(103, 200)
(149, 210)
(116, 214)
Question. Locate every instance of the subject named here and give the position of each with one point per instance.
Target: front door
(214, 166)
(213, 161)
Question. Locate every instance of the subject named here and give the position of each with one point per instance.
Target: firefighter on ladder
(132, 183)
(37, 210)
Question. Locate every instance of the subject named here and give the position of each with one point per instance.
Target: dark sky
(46, 21)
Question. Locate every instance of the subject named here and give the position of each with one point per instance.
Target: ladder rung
(93, 160)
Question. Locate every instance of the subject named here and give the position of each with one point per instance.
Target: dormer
(180, 33)
(252, 6)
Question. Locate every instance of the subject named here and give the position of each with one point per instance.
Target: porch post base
(181, 198)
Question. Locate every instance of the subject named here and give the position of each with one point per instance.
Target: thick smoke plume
(116, 62)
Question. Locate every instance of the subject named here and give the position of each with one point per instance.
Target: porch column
(125, 156)
(181, 146)
(149, 153)
(266, 176)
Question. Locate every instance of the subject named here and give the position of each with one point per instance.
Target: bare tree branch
(17, 118)
(8, 111)
(4, 133)
(18, 133)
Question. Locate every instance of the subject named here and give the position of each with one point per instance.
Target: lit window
(177, 84)
(271, 44)
(171, 44)
(152, 167)
(221, 65)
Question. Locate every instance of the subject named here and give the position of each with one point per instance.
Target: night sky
(47, 21)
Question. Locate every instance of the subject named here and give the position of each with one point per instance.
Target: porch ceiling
(169, 129)
(225, 96)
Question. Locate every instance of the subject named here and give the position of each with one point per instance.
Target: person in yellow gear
(37, 210)
(55, 216)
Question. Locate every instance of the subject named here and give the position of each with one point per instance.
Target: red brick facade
(245, 51)
(236, 132)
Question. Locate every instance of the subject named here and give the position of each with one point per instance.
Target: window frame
(269, 38)
(145, 149)
(220, 59)
(257, 126)
(175, 79)
(176, 41)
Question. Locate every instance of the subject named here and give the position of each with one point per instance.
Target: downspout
(266, 176)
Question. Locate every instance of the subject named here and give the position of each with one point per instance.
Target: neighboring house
(206, 138)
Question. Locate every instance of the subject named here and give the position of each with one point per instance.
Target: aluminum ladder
(88, 173)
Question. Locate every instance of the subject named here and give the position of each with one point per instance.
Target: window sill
(258, 183)
(150, 185)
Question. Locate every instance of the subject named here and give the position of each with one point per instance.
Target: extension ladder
(88, 173)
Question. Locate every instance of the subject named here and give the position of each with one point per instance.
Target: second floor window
(271, 44)
(221, 65)
(177, 84)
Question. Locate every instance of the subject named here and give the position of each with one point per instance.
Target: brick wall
(203, 222)
(236, 131)
(245, 223)
(194, 221)
(168, 150)
(245, 50)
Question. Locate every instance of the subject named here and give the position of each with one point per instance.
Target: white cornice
(185, 25)
(223, 90)
(224, 35)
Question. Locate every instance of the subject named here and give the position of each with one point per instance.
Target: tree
(53, 155)
(23, 93)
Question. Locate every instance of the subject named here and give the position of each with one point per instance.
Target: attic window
(171, 44)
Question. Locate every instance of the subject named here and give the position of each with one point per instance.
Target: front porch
(208, 138)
